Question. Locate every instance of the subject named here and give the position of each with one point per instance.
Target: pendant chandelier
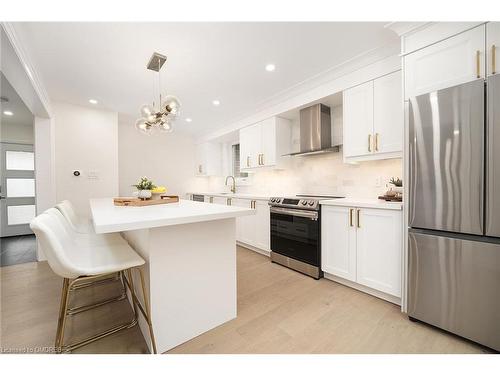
(159, 117)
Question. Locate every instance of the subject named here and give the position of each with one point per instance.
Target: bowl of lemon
(158, 191)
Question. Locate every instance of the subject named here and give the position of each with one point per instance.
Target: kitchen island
(190, 271)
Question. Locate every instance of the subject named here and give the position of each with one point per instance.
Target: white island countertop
(363, 202)
(108, 218)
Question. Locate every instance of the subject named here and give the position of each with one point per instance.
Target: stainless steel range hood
(315, 131)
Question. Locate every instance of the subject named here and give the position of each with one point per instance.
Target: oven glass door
(296, 237)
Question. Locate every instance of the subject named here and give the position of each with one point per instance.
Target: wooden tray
(390, 199)
(137, 202)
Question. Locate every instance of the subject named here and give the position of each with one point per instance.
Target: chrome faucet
(233, 186)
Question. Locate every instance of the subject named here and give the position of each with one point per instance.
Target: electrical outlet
(93, 175)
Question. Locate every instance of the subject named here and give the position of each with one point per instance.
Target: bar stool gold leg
(148, 311)
(62, 308)
(64, 314)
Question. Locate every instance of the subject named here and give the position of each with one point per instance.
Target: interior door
(358, 120)
(17, 190)
(446, 132)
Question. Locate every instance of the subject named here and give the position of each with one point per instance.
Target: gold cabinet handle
(258, 159)
(199, 168)
(493, 59)
(358, 224)
(262, 158)
(211, 199)
(252, 204)
(478, 64)
(369, 143)
(228, 201)
(248, 161)
(376, 141)
(350, 216)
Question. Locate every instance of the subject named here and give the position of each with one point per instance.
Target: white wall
(85, 139)
(167, 159)
(16, 133)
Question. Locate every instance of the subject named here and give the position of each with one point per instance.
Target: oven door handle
(313, 215)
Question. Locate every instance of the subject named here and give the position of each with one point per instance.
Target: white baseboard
(267, 253)
(364, 289)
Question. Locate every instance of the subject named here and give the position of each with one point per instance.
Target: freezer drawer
(454, 284)
(493, 160)
(446, 132)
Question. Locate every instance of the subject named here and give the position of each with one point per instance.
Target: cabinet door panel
(492, 47)
(379, 249)
(338, 242)
(388, 113)
(448, 63)
(358, 120)
(263, 225)
(268, 142)
(246, 145)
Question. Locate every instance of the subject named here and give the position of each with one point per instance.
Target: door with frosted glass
(17, 189)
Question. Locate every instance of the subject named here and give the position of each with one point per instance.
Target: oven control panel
(299, 203)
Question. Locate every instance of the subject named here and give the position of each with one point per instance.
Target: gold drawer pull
(248, 161)
(376, 141)
(357, 218)
(350, 216)
(369, 143)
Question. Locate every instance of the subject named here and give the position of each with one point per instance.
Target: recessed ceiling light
(93, 101)
(215, 102)
(270, 67)
(8, 113)
(189, 119)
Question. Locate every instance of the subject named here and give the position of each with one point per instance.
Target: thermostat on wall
(76, 173)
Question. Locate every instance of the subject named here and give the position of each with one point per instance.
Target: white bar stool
(88, 240)
(78, 263)
(79, 225)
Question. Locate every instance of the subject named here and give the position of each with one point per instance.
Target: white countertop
(235, 195)
(109, 218)
(363, 202)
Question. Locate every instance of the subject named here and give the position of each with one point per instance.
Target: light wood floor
(279, 311)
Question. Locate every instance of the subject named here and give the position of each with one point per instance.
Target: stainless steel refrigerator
(454, 210)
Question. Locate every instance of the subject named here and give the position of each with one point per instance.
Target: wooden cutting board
(137, 202)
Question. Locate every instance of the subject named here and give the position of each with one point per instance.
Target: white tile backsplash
(319, 174)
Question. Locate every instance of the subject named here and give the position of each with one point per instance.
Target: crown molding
(30, 76)
(405, 28)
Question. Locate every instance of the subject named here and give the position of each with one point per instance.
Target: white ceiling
(22, 115)
(206, 61)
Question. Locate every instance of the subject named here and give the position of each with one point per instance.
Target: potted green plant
(398, 184)
(144, 187)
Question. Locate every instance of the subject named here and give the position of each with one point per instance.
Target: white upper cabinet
(358, 120)
(209, 159)
(373, 119)
(451, 62)
(379, 234)
(263, 144)
(338, 242)
(388, 115)
(492, 47)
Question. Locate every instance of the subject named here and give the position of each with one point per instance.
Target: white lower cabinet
(252, 230)
(363, 245)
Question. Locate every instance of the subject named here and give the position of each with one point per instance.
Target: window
(235, 157)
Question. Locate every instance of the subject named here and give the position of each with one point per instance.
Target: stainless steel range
(296, 232)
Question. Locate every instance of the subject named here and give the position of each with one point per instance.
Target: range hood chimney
(315, 131)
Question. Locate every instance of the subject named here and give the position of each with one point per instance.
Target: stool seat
(86, 239)
(79, 224)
